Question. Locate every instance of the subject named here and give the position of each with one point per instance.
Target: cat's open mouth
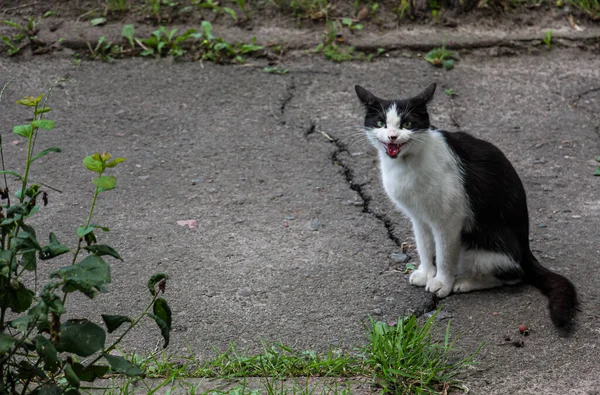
(394, 149)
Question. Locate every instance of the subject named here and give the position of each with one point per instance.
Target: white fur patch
(426, 184)
(391, 118)
(476, 263)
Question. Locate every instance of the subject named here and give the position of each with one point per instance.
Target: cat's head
(393, 126)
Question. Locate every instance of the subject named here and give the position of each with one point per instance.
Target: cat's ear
(425, 97)
(366, 97)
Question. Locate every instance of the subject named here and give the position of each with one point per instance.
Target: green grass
(405, 358)
(590, 7)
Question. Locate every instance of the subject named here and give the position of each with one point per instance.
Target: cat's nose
(392, 138)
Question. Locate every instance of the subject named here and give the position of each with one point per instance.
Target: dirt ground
(294, 232)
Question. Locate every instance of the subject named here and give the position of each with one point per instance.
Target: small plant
(218, 50)
(590, 7)
(403, 9)
(349, 23)
(41, 351)
(440, 57)
(548, 39)
(310, 9)
(407, 360)
(14, 43)
(128, 33)
(154, 7)
(275, 70)
(597, 171)
(334, 49)
(164, 42)
(214, 6)
(242, 5)
(450, 92)
(117, 5)
(104, 50)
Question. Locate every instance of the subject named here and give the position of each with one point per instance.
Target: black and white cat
(466, 203)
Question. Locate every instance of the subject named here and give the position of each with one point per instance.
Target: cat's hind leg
(426, 250)
(486, 269)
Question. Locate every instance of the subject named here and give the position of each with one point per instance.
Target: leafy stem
(29, 149)
(133, 325)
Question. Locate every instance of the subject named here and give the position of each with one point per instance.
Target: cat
(466, 203)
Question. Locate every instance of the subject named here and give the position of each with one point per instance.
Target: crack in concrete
(358, 188)
(582, 94)
(452, 116)
(312, 128)
(289, 95)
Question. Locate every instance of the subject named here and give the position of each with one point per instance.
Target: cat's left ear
(366, 97)
(425, 97)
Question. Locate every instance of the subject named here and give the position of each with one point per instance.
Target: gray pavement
(294, 231)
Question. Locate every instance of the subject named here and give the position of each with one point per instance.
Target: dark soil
(268, 14)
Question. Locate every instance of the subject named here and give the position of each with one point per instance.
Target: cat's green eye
(406, 125)
(380, 124)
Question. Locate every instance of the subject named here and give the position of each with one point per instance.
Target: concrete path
(294, 231)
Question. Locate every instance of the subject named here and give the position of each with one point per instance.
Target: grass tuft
(404, 358)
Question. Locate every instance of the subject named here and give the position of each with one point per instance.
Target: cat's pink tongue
(393, 149)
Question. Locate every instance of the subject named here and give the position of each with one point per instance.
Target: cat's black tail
(562, 297)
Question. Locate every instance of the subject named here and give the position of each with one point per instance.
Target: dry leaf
(191, 223)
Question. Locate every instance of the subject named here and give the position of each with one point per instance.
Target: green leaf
(81, 337)
(98, 21)
(113, 322)
(164, 329)
(6, 342)
(121, 365)
(597, 171)
(54, 249)
(206, 27)
(147, 52)
(16, 296)
(12, 173)
(410, 266)
(115, 162)
(88, 276)
(28, 371)
(45, 152)
(128, 32)
(90, 373)
(163, 311)
(47, 353)
(71, 376)
(13, 24)
(45, 124)
(449, 64)
(23, 130)
(155, 279)
(597, 158)
(231, 13)
(28, 261)
(93, 164)
(105, 183)
(42, 110)
(49, 389)
(82, 230)
(102, 250)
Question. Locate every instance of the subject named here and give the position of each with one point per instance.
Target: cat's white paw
(439, 287)
(419, 277)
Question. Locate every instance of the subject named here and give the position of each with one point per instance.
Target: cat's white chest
(429, 188)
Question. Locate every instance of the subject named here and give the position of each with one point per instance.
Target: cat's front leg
(447, 251)
(426, 250)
